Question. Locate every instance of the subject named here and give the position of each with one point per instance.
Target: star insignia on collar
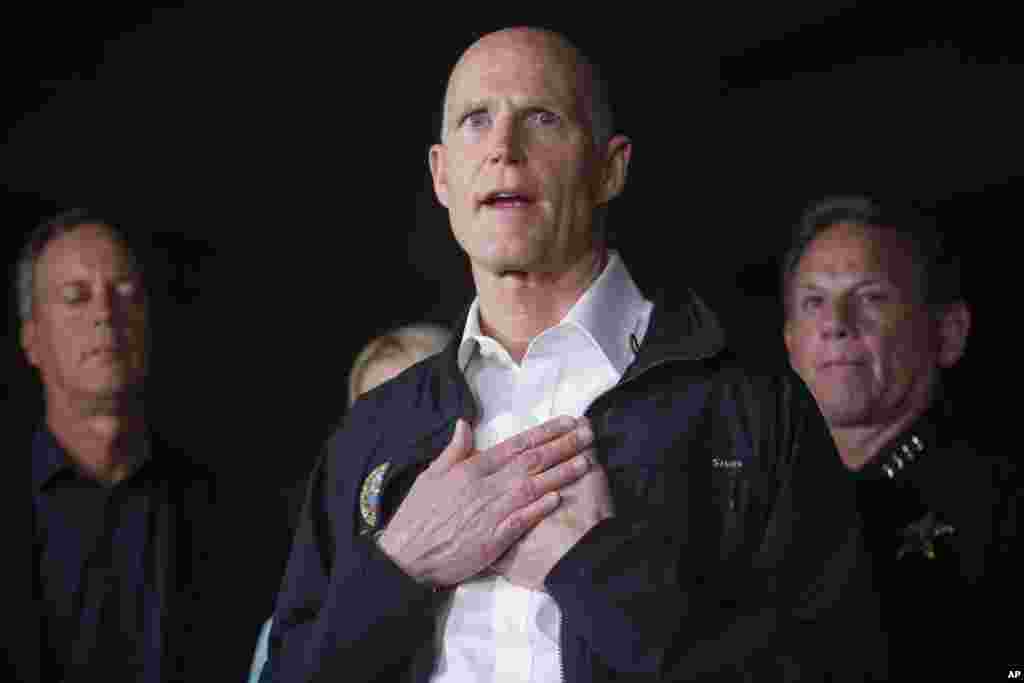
(919, 536)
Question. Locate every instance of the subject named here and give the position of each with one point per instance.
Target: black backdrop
(268, 159)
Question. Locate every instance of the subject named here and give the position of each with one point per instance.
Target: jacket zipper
(560, 647)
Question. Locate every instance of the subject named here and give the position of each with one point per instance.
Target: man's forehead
(847, 254)
(522, 52)
(857, 248)
(86, 246)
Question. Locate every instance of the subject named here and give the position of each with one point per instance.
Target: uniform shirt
(96, 544)
(491, 630)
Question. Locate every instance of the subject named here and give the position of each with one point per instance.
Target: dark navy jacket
(716, 563)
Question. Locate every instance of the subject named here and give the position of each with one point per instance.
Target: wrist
(385, 544)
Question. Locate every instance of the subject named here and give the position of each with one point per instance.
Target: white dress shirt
(491, 630)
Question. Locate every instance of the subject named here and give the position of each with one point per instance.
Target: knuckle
(519, 443)
(516, 524)
(572, 441)
(530, 461)
(528, 489)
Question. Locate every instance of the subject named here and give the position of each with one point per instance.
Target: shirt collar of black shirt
(51, 462)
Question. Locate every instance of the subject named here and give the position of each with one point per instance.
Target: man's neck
(106, 446)
(516, 307)
(860, 445)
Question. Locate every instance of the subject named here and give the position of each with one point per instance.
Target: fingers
(563, 474)
(497, 456)
(526, 490)
(538, 448)
(549, 454)
(458, 449)
(525, 518)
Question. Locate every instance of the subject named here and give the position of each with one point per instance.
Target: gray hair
(46, 232)
(938, 267)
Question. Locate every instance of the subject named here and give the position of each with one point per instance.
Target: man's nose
(508, 145)
(837, 321)
(106, 305)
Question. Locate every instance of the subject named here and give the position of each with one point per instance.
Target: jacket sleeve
(345, 611)
(643, 586)
(653, 602)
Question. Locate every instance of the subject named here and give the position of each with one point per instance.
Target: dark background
(268, 160)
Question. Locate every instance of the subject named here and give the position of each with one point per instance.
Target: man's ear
(615, 167)
(787, 336)
(29, 336)
(438, 160)
(954, 325)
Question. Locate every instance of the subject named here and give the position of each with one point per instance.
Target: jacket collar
(610, 313)
(686, 330)
(934, 428)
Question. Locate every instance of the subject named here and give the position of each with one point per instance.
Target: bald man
(577, 487)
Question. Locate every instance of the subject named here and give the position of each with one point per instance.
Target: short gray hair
(939, 269)
(46, 232)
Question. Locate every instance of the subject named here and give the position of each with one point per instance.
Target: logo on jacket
(369, 496)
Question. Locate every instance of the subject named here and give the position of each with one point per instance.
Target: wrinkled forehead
(851, 250)
(519, 62)
(88, 248)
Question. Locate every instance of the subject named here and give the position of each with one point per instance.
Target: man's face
(87, 333)
(857, 330)
(518, 170)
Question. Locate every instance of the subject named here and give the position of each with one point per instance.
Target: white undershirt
(491, 630)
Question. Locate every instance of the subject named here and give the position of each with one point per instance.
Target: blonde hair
(416, 342)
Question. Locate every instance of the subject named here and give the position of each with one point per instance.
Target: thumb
(459, 448)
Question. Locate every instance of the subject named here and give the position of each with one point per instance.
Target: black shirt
(99, 576)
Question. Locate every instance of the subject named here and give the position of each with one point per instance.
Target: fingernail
(585, 434)
(582, 463)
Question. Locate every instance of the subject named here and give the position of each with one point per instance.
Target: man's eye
(544, 117)
(72, 294)
(875, 297)
(812, 302)
(476, 119)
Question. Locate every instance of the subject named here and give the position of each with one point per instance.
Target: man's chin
(508, 264)
(844, 414)
(110, 395)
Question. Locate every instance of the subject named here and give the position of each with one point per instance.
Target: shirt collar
(610, 312)
(49, 459)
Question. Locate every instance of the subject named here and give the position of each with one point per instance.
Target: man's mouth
(111, 351)
(843, 363)
(506, 199)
